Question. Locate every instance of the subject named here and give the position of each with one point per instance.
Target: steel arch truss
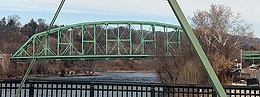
(102, 40)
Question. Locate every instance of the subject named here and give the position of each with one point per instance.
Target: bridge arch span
(102, 40)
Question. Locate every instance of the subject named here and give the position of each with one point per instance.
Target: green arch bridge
(102, 40)
(113, 40)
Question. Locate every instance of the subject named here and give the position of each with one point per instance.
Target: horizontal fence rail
(117, 89)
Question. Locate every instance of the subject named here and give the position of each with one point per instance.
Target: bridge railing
(117, 89)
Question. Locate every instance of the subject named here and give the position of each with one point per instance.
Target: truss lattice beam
(105, 39)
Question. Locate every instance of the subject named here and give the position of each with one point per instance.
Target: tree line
(221, 33)
(13, 33)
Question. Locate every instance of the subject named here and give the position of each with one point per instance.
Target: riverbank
(93, 74)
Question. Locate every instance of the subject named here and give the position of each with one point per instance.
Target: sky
(76, 11)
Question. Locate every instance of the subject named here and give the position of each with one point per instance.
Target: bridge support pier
(6, 64)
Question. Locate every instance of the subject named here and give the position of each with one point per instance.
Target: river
(43, 90)
(144, 77)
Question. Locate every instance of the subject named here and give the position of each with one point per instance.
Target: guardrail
(31, 88)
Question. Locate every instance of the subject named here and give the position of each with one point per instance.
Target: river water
(144, 77)
(44, 90)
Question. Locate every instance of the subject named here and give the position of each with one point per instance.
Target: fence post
(31, 90)
(91, 90)
(152, 91)
(214, 94)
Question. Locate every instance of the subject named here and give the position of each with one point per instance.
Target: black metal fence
(8, 88)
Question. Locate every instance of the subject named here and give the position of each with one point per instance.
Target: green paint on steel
(207, 66)
(92, 35)
(35, 53)
(251, 55)
(131, 40)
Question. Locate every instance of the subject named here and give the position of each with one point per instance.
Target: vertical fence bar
(37, 90)
(76, 90)
(79, 90)
(132, 91)
(5, 90)
(71, 89)
(152, 91)
(214, 94)
(61, 90)
(103, 91)
(66, 90)
(117, 91)
(47, 89)
(1, 89)
(31, 90)
(127, 90)
(41, 90)
(86, 90)
(92, 90)
(25, 92)
(98, 89)
(10, 90)
(56, 90)
(112, 91)
(123, 91)
(107, 90)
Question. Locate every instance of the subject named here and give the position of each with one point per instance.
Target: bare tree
(220, 30)
(183, 68)
(13, 20)
(221, 33)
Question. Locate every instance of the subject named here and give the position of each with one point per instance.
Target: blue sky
(75, 11)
